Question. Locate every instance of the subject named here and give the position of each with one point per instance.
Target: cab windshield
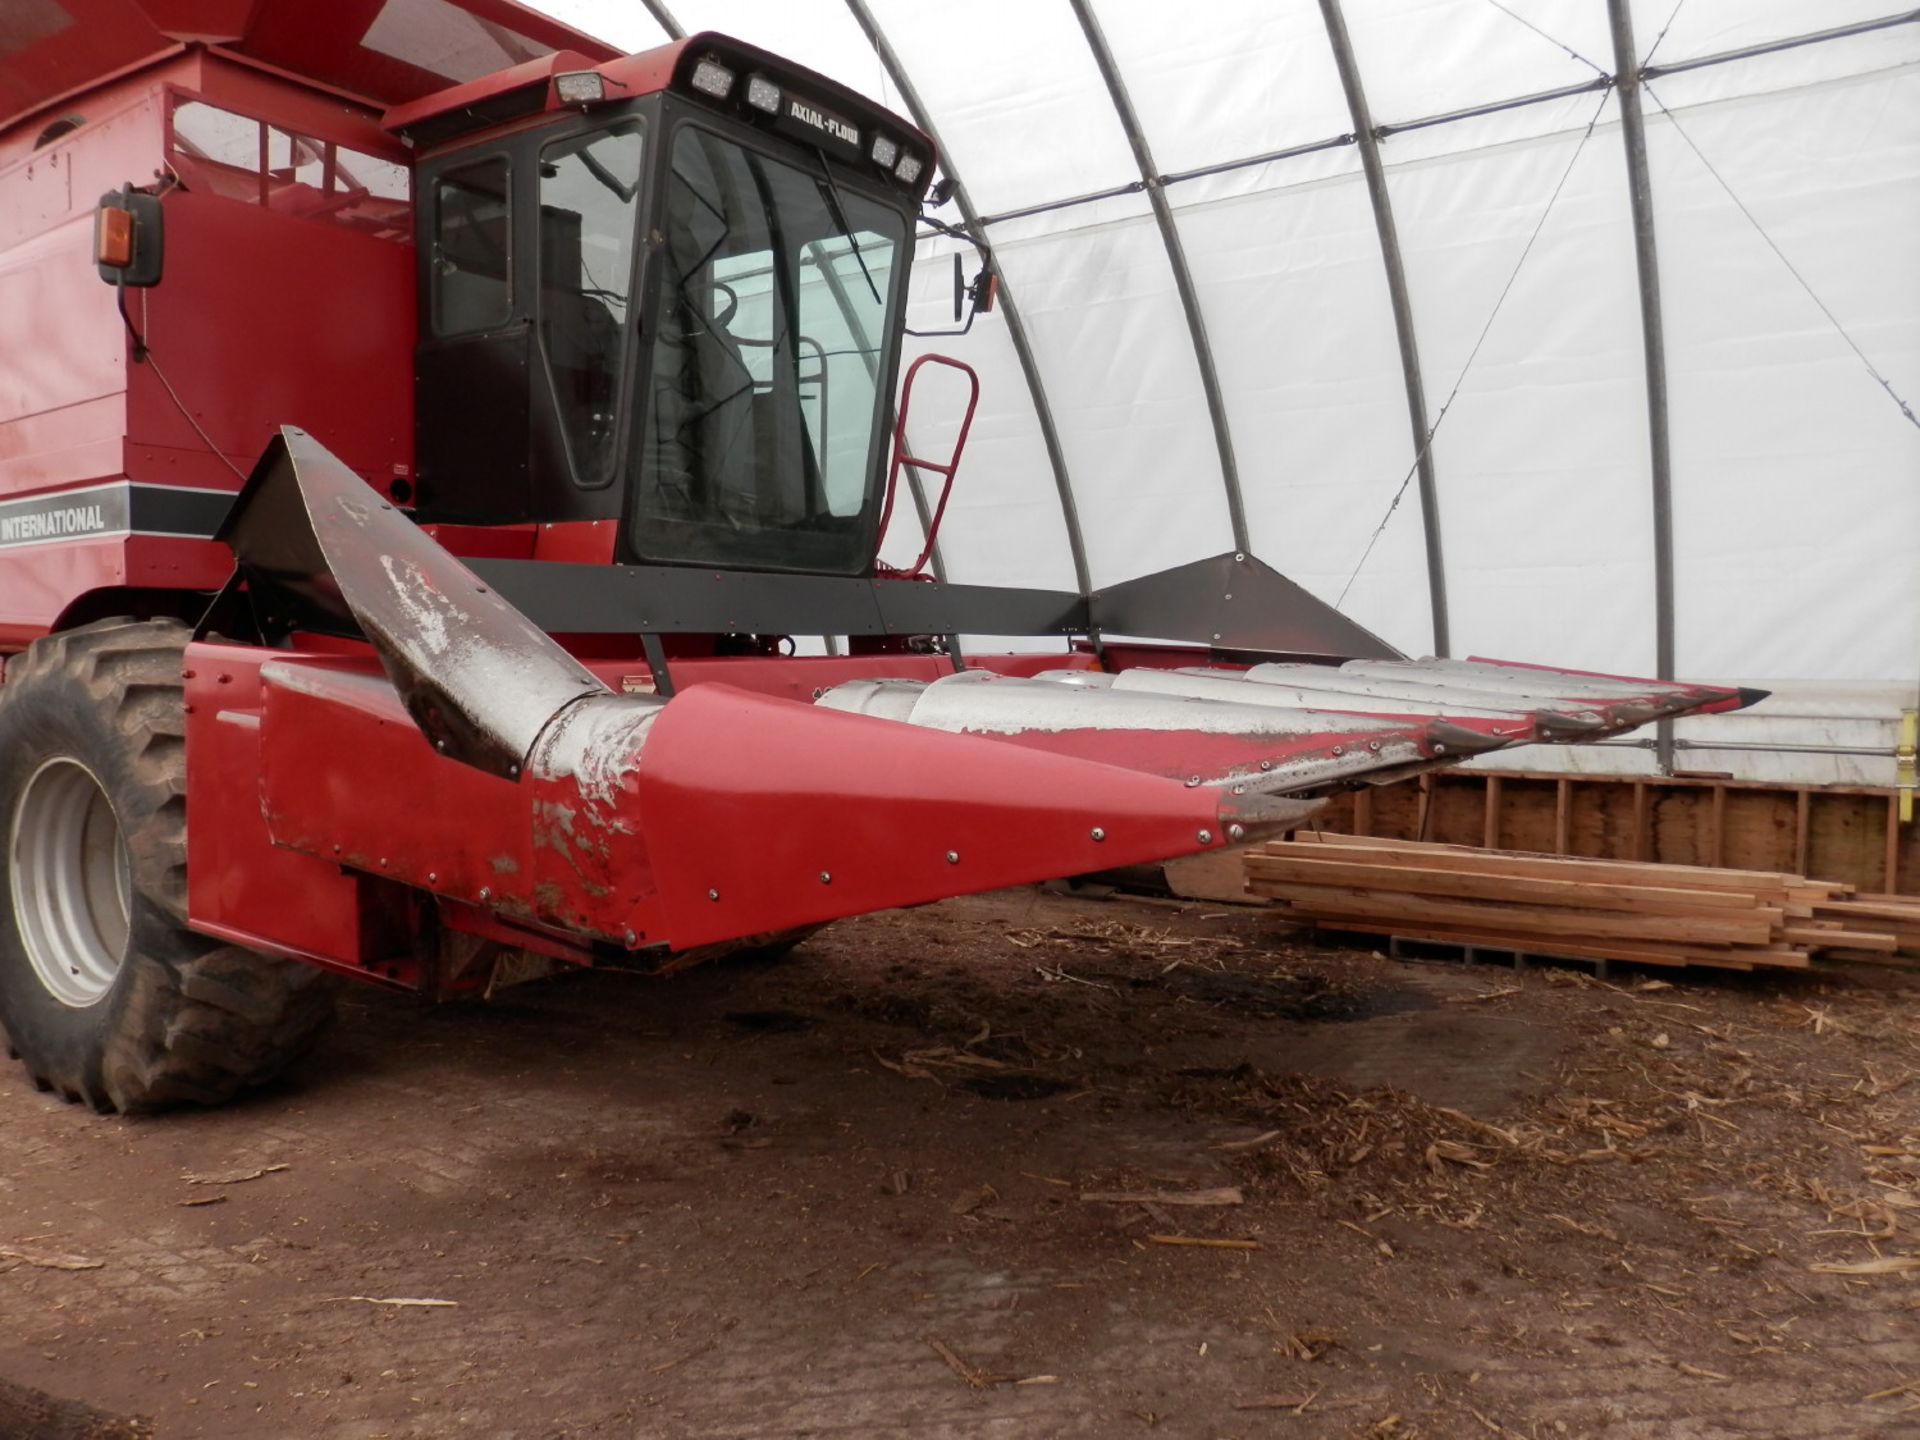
(759, 442)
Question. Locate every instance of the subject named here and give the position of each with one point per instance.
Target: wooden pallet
(1581, 909)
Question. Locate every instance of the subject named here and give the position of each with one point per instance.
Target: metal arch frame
(1177, 259)
(663, 17)
(1628, 78)
(1470, 112)
(1383, 222)
(1016, 326)
(1633, 132)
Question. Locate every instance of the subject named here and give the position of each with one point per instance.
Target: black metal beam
(1495, 107)
(1391, 259)
(1234, 602)
(668, 600)
(1227, 602)
(1774, 47)
(1016, 326)
(1633, 131)
(1172, 177)
(1177, 260)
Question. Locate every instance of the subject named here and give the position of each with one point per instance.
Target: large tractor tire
(105, 995)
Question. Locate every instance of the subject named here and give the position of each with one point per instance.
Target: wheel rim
(71, 882)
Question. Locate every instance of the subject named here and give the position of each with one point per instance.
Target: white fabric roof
(1787, 282)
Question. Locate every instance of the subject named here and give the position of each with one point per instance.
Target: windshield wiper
(831, 192)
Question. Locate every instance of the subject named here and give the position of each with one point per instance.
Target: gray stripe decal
(171, 510)
(119, 509)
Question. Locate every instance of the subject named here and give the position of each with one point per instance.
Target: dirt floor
(1015, 1166)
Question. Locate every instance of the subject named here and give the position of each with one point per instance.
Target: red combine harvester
(400, 554)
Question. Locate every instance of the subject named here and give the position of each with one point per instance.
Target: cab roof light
(908, 170)
(710, 77)
(763, 94)
(886, 150)
(580, 87)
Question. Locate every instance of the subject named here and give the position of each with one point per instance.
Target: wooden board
(1725, 928)
(1526, 944)
(1573, 892)
(1219, 875)
(1824, 939)
(1899, 912)
(1585, 909)
(1772, 887)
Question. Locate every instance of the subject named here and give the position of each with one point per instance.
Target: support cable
(1472, 355)
(1654, 48)
(1775, 47)
(1761, 230)
(1557, 44)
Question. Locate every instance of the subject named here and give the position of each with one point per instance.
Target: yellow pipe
(1906, 762)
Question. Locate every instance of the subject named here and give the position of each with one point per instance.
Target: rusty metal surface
(1245, 748)
(479, 679)
(1283, 728)
(1400, 688)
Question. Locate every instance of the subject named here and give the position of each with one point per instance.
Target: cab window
(237, 157)
(589, 189)
(779, 300)
(472, 248)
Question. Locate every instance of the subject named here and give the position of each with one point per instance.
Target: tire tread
(201, 1020)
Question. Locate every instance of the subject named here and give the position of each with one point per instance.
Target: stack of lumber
(1863, 923)
(1579, 909)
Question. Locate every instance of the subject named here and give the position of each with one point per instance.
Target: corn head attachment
(415, 732)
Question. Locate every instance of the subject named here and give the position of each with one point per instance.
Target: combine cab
(402, 554)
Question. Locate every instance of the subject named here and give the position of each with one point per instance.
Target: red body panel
(477, 92)
(743, 797)
(240, 886)
(350, 46)
(248, 290)
(263, 317)
(63, 369)
(841, 818)
(579, 542)
(347, 777)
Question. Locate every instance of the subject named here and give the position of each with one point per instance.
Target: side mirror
(129, 238)
(976, 298)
